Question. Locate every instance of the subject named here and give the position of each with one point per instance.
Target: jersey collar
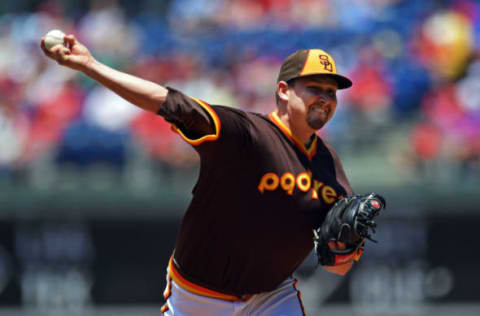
(309, 152)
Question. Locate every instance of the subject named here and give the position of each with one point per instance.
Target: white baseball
(54, 37)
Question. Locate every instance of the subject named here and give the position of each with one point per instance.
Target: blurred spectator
(444, 44)
(12, 138)
(106, 110)
(107, 32)
(427, 141)
(370, 98)
(155, 135)
(50, 119)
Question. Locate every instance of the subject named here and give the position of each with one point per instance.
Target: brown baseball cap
(308, 62)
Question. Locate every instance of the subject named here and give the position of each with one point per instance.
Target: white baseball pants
(285, 300)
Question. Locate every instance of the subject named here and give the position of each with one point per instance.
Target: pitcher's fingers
(70, 39)
(61, 53)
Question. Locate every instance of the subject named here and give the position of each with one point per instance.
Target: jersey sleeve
(193, 119)
(209, 128)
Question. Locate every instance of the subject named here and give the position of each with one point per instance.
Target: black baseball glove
(350, 221)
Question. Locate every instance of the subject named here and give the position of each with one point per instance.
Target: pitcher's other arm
(143, 93)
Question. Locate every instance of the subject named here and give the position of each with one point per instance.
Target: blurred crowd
(414, 64)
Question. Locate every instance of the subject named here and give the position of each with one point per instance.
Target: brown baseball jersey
(259, 194)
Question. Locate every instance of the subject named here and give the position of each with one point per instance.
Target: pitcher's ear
(282, 91)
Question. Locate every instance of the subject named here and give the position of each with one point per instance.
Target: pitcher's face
(312, 101)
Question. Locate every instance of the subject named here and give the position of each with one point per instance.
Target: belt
(200, 290)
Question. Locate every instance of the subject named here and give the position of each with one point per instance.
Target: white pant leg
(181, 302)
(285, 300)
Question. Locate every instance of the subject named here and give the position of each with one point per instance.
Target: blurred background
(92, 189)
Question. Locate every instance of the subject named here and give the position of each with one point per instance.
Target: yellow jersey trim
(200, 290)
(206, 138)
(309, 152)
